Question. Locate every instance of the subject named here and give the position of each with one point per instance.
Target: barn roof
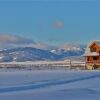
(97, 42)
(88, 52)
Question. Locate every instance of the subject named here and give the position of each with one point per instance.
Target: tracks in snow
(33, 86)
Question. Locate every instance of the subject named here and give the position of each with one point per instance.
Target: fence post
(70, 64)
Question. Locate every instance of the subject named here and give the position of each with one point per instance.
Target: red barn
(92, 55)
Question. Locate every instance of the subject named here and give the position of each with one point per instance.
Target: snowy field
(50, 85)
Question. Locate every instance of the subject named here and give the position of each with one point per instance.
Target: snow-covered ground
(50, 85)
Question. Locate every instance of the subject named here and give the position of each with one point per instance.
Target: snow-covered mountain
(68, 50)
(26, 54)
(20, 48)
(21, 54)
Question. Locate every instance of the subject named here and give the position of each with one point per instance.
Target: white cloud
(14, 39)
(8, 41)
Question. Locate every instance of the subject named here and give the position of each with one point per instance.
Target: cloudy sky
(51, 21)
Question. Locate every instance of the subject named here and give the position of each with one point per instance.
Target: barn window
(99, 52)
(88, 58)
(95, 58)
(93, 50)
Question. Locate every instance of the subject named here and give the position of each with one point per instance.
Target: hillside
(21, 54)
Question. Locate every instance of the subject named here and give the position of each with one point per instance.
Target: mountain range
(20, 48)
(45, 52)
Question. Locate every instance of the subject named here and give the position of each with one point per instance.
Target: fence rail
(45, 64)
